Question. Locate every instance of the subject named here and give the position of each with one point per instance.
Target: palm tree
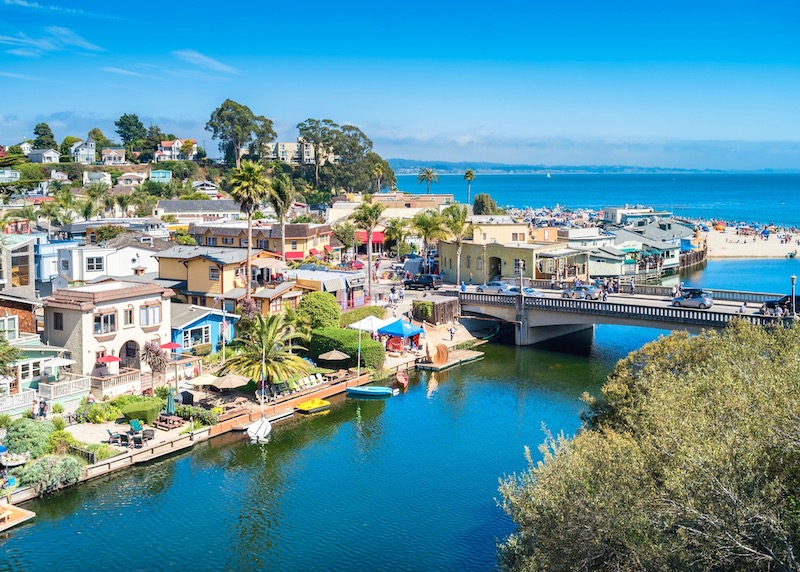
(123, 202)
(429, 176)
(367, 217)
(249, 188)
(266, 350)
(469, 176)
(397, 230)
(51, 211)
(429, 226)
(66, 199)
(377, 172)
(458, 228)
(86, 209)
(108, 204)
(282, 198)
(26, 212)
(95, 191)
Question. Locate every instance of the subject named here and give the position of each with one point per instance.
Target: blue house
(197, 325)
(161, 176)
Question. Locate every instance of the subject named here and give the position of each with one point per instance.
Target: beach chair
(113, 437)
(136, 426)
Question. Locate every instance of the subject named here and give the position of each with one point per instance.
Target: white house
(131, 179)
(113, 156)
(84, 263)
(173, 150)
(9, 176)
(110, 318)
(43, 156)
(26, 147)
(90, 177)
(59, 177)
(84, 152)
(207, 188)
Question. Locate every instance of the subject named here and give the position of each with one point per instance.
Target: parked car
(696, 299)
(398, 267)
(527, 291)
(784, 302)
(586, 291)
(493, 286)
(424, 281)
(355, 265)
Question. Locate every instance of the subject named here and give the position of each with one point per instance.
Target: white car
(527, 291)
(494, 286)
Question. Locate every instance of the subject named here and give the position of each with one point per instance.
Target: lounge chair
(112, 437)
(136, 426)
(320, 379)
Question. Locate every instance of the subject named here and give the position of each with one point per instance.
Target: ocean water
(763, 198)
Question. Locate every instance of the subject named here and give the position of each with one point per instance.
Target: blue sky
(673, 84)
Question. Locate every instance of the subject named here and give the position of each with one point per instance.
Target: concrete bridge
(537, 319)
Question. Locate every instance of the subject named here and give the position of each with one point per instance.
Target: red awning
(314, 252)
(328, 248)
(294, 255)
(377, 237)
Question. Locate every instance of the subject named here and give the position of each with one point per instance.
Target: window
(65, 264)
(94, 263)
(20, 268)
(230, 305)
(263, 244)
(58, 320)
(9, 327)
(196, 336)
(30, 370)
(211, 241)
(294, 245)
(243, 242)
(105, 324)
(479, 263)
(150, 315)
(227, 240)
(196, 300)
(213, 273)
(469, 261)
(128, 316)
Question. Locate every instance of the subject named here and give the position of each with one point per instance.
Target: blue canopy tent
(400, 329)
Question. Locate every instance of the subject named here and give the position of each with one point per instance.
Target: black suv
(425, 281)
(783, 302)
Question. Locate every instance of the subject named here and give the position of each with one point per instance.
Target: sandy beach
(727, 244)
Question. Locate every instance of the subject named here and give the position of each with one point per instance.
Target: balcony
(68, 384)
(18, 401)
(127, 381)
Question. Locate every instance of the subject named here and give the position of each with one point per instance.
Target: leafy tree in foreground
(484, 205)
(690, 460)
(320, 309)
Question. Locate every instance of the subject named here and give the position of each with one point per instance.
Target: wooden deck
(11, 516)
(457, 357)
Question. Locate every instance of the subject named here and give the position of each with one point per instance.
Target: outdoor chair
(124, 440)
(148, 434)
(136, 426)
(113, 437)
(320, 379)
(138, 441)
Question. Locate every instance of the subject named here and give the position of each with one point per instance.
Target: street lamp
(793, 278)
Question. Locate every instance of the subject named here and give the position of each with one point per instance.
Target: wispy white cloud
(195, 74)
(56, 39)
(196, 58)
(20, 76)
(122, 71)
(54, 8)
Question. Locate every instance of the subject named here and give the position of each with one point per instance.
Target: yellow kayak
(313, 405)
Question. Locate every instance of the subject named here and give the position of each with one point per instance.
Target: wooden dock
(456, 357)
(11, 516)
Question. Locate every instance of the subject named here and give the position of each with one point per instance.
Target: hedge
(29, 435)
(202, 349)
(321, 308)
(200, 415)
(51, 473)
(359, 314)
(146, 411)
(327, 339)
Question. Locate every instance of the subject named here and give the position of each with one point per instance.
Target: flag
(224, 326)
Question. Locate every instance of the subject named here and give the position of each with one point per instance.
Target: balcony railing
(67, 384)
(17, 401)
(126, 376)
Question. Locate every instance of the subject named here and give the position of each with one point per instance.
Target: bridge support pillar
(527, 336)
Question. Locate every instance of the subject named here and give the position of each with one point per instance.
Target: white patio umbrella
(58, 361)
(370, 324)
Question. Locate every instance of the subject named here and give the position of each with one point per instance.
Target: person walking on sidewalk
(633, 287)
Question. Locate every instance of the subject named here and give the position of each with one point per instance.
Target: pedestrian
(470, 278)
(742, 307)
(552, 282)
(42, 409)
(452, 333)
(402, 293)
(633, 287)
(605, 295)
(674, 290)
(463, 286)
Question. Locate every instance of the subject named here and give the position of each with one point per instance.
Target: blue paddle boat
(370, 391)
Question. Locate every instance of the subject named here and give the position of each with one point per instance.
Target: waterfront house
(277, 299)
(84, 152)
(113, 156)
(194, 327)
(162, 176)
(346, 287)
(43, 156)
(188, 211)
(112, 319)
(653, 257)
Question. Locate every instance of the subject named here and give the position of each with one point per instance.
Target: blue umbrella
(400, 329)
(170, 403)
(3, 449)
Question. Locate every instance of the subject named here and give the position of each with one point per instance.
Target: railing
(18, 400)
(72, 385)
(124, 377)
(89, 456)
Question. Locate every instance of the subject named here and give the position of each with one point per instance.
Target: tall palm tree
(66, 199)
(366, 217)
(123, 202)
(429, 176)
(429, 226)
(51, 211)
(109, 201)
(377, 172)
(397, 230)
(266, 350)
(458, 228)
(26, 212)
(86, 209)
(282, 197)
(249, 187)
(95, 191)
(469, 176)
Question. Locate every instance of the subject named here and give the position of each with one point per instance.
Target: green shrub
(98, 412)
(321, 309)
(200, 415)
(58, 408)
(51, 473)
(359, 314)
(326, 339)
(162, 392)
(27, 414)
(29, 435)
(102, 451)
(422, 310)
(201, 349)
(59, 442)
(5, 421)
(146, 411)
(59, 423)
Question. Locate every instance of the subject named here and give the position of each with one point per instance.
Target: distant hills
(412, 167)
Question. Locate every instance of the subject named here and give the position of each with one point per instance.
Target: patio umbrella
(333, 355)
(170, 346)
(3, 449)
(230, 381)
(203, 380)
(58, 361)
(170, 409)
(370, 324)
(108, 359)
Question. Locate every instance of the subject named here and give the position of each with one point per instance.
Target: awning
(294, 255)
(313, 252)
(332, 284)
(377, 237)
(328, 248)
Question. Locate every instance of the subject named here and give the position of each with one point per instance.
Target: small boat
(548, 175)
(313, 406)
(14, 459)
(371, 391)
(259, 431)
(491, 334)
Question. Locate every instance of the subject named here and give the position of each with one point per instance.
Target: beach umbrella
(170, 346)
(170, 409)
(230, 381)
(108, 359)
(333, 355)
